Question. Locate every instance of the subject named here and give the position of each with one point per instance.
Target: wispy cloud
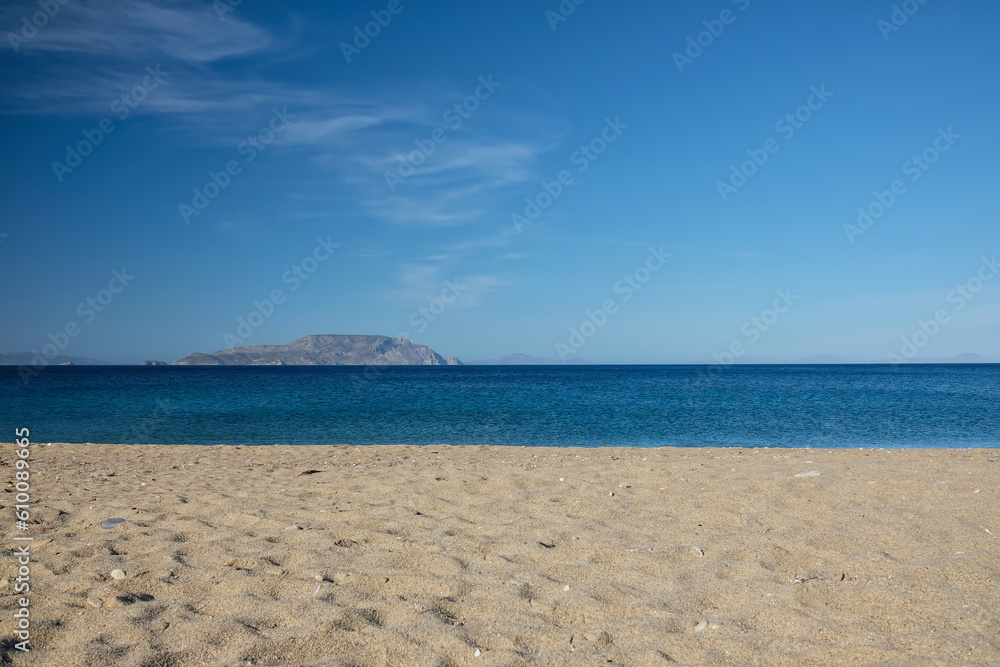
(455, 186)
(444, 208)
(500, 162)
(317, 131)
(182, 31)
(198, 94)
(98, 50)
(367, 251)
(476, 242)
(421, 283)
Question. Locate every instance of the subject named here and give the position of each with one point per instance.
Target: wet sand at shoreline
(447, 556)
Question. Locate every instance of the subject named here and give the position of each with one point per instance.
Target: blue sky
(442, 239)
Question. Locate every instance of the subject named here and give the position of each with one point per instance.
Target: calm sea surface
(645, 406)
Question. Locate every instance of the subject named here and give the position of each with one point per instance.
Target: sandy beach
(447, 556)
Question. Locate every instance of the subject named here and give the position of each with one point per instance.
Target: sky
(659, 182)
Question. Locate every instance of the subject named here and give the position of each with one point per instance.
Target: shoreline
(529, 555)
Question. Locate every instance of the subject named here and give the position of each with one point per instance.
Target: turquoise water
(645, 406)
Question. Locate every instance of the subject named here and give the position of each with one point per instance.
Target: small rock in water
(97, 603)
(117, 574)
(111, 523)
(700, 626)
(697, 551)
(812, 473)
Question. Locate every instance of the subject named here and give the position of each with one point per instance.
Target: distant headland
(325, 350)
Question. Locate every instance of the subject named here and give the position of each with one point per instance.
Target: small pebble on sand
(97, 603)
(697, 551)
(117, 574)
(700, 626)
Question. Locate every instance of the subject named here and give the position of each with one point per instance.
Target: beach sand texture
(402, 555)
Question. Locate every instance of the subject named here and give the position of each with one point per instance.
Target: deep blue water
(646, 406)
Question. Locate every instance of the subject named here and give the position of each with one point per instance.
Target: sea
(822, 406)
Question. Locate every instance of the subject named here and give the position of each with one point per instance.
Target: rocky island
(325, 350)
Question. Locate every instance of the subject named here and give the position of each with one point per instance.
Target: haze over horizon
(24, 360)
(651, 184)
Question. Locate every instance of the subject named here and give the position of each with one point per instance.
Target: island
(325, 350)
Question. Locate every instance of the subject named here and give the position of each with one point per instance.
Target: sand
(399, 555)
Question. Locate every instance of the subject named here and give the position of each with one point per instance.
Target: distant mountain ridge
(325, 350)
